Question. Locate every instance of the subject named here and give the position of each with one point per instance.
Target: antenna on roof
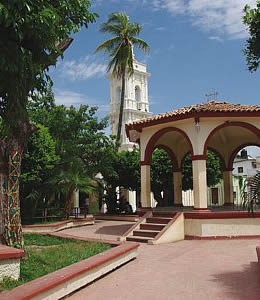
(212, 95)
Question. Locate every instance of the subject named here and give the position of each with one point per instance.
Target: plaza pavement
(186, 270)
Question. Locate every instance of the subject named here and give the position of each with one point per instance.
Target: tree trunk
(119, 129)
(69, 200)
(3, 180)
(13, 228)
(3, 188)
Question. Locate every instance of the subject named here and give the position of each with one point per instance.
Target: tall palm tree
(120, 50)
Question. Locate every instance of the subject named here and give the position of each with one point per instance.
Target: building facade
(136, 103)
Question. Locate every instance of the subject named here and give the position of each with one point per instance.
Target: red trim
(248, 126)
(201, 209)
(221, 237)
(220, 215)
(127, 129)
(8, 252)
(183, 158)
(233, 114)
(234, 153)
(144, 163)
(151, 144)
(222, 160)
(199, 157)
(171, 155)
(50, 281)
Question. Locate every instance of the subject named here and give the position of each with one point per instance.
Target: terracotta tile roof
(192, 111)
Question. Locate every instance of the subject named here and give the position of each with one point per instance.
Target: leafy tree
(214, 173)
(251, 18)
(80, 144)
(124, 171)
(120, 50)
(33, 35)
(38, 163)
(162, 178)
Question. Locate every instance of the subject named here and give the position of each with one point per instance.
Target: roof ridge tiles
(212, 106)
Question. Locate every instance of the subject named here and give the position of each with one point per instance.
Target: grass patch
(46, 254)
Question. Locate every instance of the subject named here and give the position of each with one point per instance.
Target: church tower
(136, 104)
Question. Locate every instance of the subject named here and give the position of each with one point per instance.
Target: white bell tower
(136, 104)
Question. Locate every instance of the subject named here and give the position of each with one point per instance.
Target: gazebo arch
(248, 126)
(170, 153)
(235, 152)
(152, 142)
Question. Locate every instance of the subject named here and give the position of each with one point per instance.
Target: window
(118, 95)
(240, 169)
(254, 165)
(137, 94)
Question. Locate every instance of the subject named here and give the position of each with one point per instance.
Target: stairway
(151, 227)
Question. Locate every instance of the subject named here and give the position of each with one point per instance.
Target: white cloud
(160, 28)
(68, 98)
(221, 16)
(82, 69)
(216, 38)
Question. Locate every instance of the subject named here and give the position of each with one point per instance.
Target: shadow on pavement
(114, 229)
(241, 285)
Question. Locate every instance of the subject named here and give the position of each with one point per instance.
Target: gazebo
(222, 127)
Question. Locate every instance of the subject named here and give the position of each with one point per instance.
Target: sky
(196, 47)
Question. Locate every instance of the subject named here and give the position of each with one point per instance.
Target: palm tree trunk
(119, 129)
(13, 228)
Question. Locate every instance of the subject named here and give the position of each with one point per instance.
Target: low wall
(45, 228)
(221, 225)
(10, 262)
(67, 280)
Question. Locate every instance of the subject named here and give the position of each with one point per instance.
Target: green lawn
(46, 254)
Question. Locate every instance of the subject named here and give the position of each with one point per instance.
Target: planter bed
(57, 226)
(64, 281)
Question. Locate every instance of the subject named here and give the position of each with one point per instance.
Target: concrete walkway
(185, 270)
(102, 229)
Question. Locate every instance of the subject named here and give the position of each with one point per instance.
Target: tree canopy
(67, 151)
(251, 18)
(33, 35)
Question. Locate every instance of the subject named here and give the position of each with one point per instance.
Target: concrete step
(145, 233)
(151, 226)
(164, 214)
(138, 239)
(158, 220)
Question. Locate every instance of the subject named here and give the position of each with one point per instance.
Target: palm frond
(114, 29)
(109, 45)
(118, 18)
(141, 44)
(134, 29)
